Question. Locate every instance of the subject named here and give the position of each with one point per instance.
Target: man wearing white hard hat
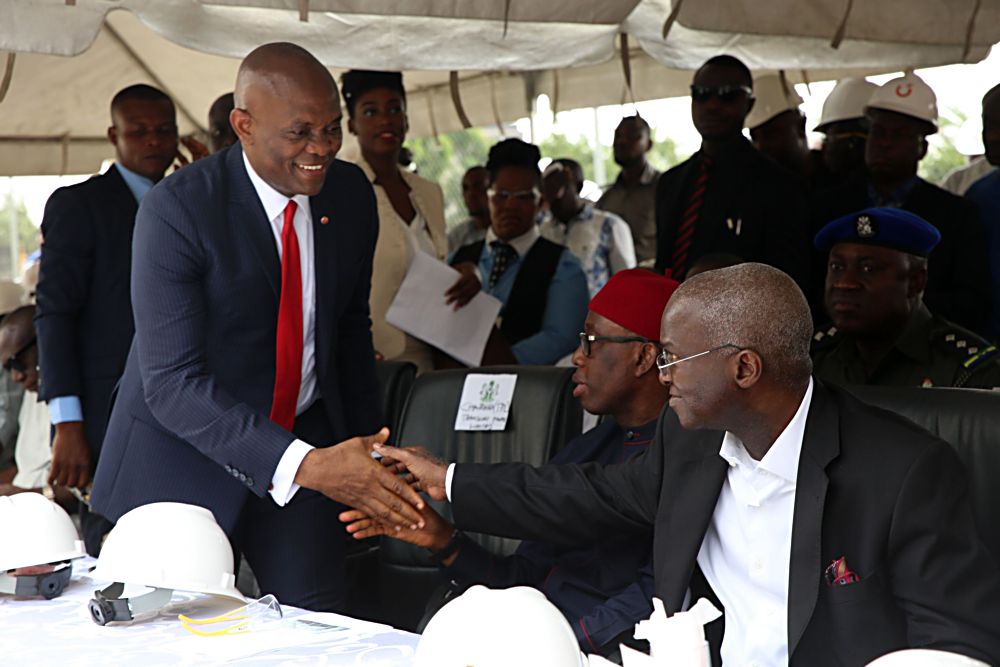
(778, 129)
(902, 112)
(845, 127)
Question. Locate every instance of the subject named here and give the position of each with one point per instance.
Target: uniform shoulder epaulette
(968, 347)
(824, 336)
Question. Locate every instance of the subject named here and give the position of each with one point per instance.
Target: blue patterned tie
(503, 254)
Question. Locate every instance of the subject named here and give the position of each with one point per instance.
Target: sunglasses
(15, 363)
(723, 93)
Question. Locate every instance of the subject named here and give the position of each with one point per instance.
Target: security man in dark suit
(882, 332)
(84, 314)
(728, 197)
(902, 113)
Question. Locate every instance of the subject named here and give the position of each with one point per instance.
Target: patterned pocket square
(838, 574)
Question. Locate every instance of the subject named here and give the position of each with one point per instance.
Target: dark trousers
(297, 551)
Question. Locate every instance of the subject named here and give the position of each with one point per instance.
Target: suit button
(250, 481)
(228, 468)
(242, 477)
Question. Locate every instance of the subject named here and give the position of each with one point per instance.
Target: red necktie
(685, 233)
(288, 356)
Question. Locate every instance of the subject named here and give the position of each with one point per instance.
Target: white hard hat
(908, 95)
(11, 297)
(924, 657)
(847, 101)
(498, 628)
(774, 95)
(167, 547)
(36, 531)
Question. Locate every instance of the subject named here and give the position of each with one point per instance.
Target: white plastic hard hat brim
(36, 532)
(773, 96)
(847, 101)
(923, 657)
(169, 545)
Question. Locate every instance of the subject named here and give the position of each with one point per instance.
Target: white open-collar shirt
(747, 549)
(283, 486)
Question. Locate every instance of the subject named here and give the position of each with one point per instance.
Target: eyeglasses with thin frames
(520, 196)
(723, 93)
(14, 362)
(663, 359)
(587, 340)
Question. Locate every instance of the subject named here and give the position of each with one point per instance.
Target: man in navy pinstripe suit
(209, 291)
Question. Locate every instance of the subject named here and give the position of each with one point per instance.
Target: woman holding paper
(410, 208)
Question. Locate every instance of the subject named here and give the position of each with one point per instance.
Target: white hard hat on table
(908, 95)
(774, 95)
(499, 628)
(36, 531)
(167, 547)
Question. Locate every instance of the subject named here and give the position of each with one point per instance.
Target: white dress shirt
(746, 551)
(283, 486)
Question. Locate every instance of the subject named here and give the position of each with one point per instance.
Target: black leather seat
(967, 419)
(543, 417)
(395, 379)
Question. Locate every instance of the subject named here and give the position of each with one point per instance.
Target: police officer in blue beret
(882, 333)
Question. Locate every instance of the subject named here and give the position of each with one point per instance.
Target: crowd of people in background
(901, 276)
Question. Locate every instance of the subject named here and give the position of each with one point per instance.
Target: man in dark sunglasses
(728, 198)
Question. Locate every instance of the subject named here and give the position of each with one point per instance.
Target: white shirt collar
(273, 201)
(782, 459)
(522, 244)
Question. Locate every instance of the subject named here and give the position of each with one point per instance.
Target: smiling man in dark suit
(253, 351)
(84, 316)
(829, 531)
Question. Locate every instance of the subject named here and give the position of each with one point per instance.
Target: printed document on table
(419, 310)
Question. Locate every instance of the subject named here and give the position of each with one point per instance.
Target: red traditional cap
(635, 299)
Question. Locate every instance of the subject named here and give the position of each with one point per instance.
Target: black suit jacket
(84, 313)
(958, 281)
(744, 185)
(872, 488)
(191, 420)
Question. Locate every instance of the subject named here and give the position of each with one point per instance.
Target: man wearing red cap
(603, 589)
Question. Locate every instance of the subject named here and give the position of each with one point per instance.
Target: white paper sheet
(419, 310)
(485, 402)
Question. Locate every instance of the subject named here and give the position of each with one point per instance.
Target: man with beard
(633, 194)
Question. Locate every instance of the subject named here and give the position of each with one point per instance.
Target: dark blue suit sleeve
(171, 316)
(619, 614)
(527, 567)
(63, 289)
(355, 352)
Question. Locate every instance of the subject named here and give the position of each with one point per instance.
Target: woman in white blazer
(410, 208)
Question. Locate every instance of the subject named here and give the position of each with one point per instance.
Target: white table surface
(35, 632)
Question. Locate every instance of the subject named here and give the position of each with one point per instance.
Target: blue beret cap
(889, 227)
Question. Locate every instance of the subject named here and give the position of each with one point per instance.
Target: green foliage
(27, 235)
(444, 161)
(942, 156)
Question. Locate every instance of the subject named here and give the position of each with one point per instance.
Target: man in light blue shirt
(84, 314)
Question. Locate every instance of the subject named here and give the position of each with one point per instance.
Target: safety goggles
(14, 361)
(728, 93)
(587, 341)
(256, 615)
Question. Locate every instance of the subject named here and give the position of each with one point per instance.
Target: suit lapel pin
(324, 220)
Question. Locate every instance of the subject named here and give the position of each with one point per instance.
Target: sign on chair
(485, 402)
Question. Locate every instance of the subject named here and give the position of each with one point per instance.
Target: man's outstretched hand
(426, 472)
(347, 473)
